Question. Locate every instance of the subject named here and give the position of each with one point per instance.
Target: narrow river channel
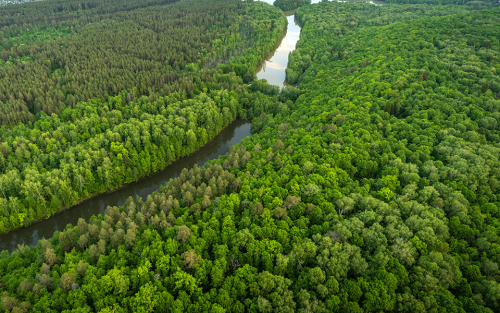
(273, 69)
(220, 145)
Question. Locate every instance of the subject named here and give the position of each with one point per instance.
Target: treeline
(287, 5)
(419, 106)
(42, 13)
(100, 146)
(372, 187)
(186, 214)
(265, 31)
(49, 69)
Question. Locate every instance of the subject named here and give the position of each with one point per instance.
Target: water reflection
(273, 69)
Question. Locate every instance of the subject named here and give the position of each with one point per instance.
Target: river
(220, 145)
(273, 69)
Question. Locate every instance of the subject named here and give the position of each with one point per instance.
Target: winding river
(272, 69)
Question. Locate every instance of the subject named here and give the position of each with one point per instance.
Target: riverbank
(219, 145)
(272, 69)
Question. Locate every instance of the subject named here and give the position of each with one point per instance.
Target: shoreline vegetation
(288, 5)
(92, 196)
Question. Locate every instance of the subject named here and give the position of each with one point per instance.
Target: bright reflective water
(273, 68)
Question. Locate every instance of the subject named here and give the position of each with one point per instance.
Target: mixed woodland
(476, 4)
(154, 49)
(371, 186)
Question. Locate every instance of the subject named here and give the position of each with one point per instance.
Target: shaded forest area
(371, 187)
(152, 49)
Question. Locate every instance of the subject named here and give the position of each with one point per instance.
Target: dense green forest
(323, 28)
(372, 186)
(90, 147)
(419, 106)
(158, 46)
(287, 5)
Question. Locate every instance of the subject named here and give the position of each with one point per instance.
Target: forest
(344, 20)
(476, 4)
(371, 186)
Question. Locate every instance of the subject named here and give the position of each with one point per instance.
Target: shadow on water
(220, 145)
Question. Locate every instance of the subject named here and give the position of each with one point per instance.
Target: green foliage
(149, 47)
(375, 189)
(325, 24)
(29, 36)
(477, 5)
(60, 160)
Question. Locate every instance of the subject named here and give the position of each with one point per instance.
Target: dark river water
(220, 145)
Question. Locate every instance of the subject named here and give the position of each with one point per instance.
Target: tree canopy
(50, 65)
(287, 5)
